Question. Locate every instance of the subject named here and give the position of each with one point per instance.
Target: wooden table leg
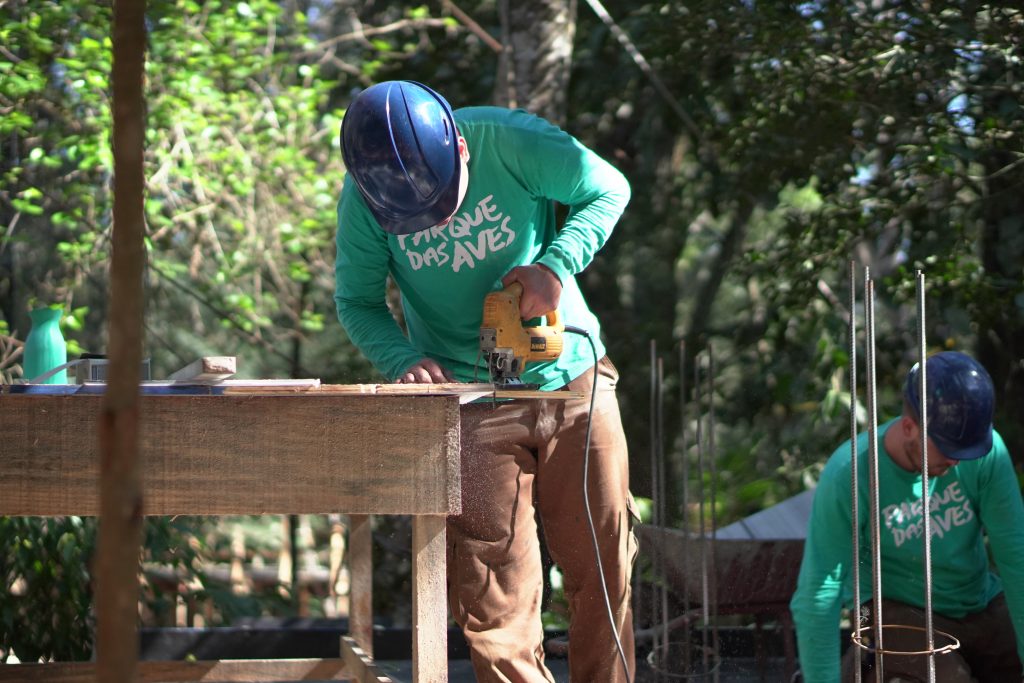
(429, 602)
(361, 582)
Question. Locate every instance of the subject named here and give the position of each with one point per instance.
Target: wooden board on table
(465, 391)
(220, 455)
(221, 671)
(207, 369)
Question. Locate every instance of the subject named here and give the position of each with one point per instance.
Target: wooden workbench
(360, 454)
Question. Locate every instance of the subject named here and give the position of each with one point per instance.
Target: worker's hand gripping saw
(506, 345)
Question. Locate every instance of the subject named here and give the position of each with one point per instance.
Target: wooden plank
(360, 664)
(429, 600)
(360, 561)
(222, 455)
(466, 391)
(207, 368)
(220, 671)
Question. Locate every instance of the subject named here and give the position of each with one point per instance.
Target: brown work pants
(987, 652)
(522, 456)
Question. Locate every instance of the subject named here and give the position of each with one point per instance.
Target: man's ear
(909, 427)
(463, 149)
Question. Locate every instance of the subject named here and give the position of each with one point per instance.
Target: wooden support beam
(360, 664)
(222, 671)
(360, 559)
(206, 369)
(225, 455)
(116, 440)
(429, 600)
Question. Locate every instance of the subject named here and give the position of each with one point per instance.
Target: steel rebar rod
(926, 494)
(705, 607)
(662, 513)
(686, 494)
(714, 514)
(854, 484)
(876, 551)
(655, 520)
(635, 595)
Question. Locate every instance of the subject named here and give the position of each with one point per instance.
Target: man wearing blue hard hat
(454, 205)
(974, 494)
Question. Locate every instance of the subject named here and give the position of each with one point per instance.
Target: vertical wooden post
(239, 582)
(120, 529)
(335, 603)
(286, 558)
(360, 554)
(429, 600)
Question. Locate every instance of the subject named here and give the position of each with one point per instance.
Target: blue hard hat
(961, 401)
(400, 145)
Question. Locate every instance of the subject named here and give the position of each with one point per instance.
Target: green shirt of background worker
(974, 493)
(453, 206)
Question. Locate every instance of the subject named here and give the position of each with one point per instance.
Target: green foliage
(245, 148)
(55, 149)
(644, 508)
(189, 547)
(44, 569)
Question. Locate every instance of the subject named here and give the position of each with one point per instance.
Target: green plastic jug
(45, 347)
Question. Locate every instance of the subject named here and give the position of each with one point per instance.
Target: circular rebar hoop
(672, 660)
(857, 640)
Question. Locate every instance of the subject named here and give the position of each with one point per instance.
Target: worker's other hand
(426, 371)
(541, 289)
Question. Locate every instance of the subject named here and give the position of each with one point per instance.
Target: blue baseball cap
(961, 401)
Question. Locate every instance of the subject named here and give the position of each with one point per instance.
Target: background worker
(974, 491)
(454, 206)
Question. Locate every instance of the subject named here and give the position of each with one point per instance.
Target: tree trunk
(533, 69)
(1001, 340)
(1001, 343)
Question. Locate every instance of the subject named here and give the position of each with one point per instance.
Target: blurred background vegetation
(768, 144)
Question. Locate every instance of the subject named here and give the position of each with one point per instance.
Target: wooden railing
(281, 454)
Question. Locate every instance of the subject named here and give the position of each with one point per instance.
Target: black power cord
(586, 501)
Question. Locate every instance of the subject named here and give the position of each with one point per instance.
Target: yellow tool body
(506, 345)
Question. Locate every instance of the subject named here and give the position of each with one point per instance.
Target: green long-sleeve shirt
(518, 164)
(975, 497)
